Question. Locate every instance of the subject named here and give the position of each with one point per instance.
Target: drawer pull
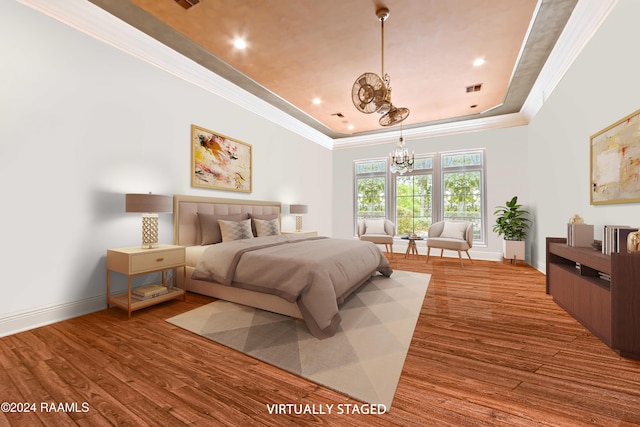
(160, 259)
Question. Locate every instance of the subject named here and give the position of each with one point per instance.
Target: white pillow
(454, 230)
(267, 227)
(235, 230)
(374, 226)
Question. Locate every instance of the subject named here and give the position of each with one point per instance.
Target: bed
(193, 216)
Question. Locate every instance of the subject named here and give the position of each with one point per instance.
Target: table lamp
(149, 205)
(298, 210)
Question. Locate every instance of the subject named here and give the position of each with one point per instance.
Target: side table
(412, 249)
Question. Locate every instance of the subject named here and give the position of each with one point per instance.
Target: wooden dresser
(601, 291)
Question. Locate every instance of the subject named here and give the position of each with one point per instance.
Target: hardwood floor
(490, 348)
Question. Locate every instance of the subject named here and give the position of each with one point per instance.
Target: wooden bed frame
(186, 232)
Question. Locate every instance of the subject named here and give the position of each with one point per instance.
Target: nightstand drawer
(156, 260)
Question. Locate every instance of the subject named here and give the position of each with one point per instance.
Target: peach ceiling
(299, 50)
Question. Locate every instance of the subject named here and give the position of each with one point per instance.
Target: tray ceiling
(301, 50)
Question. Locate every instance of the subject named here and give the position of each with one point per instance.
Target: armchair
(378, 231)
(451, 235)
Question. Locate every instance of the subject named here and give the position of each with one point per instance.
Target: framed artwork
(219, 162)
(615, 162)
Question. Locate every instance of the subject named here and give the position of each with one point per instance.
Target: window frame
(393, 193)
(437, 182)
(483, 179)
(356, 175)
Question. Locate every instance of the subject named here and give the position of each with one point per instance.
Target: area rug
(363, 360)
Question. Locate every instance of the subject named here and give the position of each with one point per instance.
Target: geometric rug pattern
(363, 360)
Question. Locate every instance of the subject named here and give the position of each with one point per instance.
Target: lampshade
(298, 209)
(149, 205)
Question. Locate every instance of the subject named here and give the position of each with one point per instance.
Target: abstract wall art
(219, 162)
(615, 162)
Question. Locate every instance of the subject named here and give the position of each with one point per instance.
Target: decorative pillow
(454, 230)
(259, 216)
(269, 216)
(267, 227)
(210, 227)
(235, 230)
(374, 226)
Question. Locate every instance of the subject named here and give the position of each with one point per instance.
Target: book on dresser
(150, 291)
(580, 235)
(612, 238)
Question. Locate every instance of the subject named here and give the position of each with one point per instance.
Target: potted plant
(512, 224)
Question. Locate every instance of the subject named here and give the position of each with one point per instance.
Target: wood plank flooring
(490, 349)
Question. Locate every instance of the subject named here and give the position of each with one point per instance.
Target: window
(371, 189)
(413, 201)
(441, 186)
(462, 183)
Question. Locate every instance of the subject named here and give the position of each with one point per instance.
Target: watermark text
(325, 409)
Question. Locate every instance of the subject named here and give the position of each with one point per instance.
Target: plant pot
(513, 249)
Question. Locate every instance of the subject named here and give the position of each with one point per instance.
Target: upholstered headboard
(186, 227)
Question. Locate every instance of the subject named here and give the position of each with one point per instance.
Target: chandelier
(400, 159)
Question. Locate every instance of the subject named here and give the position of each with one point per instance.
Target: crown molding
(445, 129)
(90, 19)
(585, 20)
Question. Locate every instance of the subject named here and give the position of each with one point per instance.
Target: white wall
(506, 166)
(81, 124)
(600, 88)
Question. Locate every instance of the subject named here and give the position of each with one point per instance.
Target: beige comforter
(316, 272)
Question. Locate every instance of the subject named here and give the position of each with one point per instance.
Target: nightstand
(135, 261)
(302, 232)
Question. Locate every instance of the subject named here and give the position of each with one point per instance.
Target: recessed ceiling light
(350, 127)
(478, 62)
(240, 43)
(317, 101)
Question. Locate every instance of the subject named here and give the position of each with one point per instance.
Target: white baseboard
(400, 247)
(31, 319)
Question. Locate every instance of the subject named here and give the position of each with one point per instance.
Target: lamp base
(149, 230)
(298, 222)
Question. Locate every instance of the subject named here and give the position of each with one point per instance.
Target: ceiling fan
(394, 116)
(372, 94)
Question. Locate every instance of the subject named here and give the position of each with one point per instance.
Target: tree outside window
(371, 189)
(414, 207)
(462, 189)
(371, 197)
